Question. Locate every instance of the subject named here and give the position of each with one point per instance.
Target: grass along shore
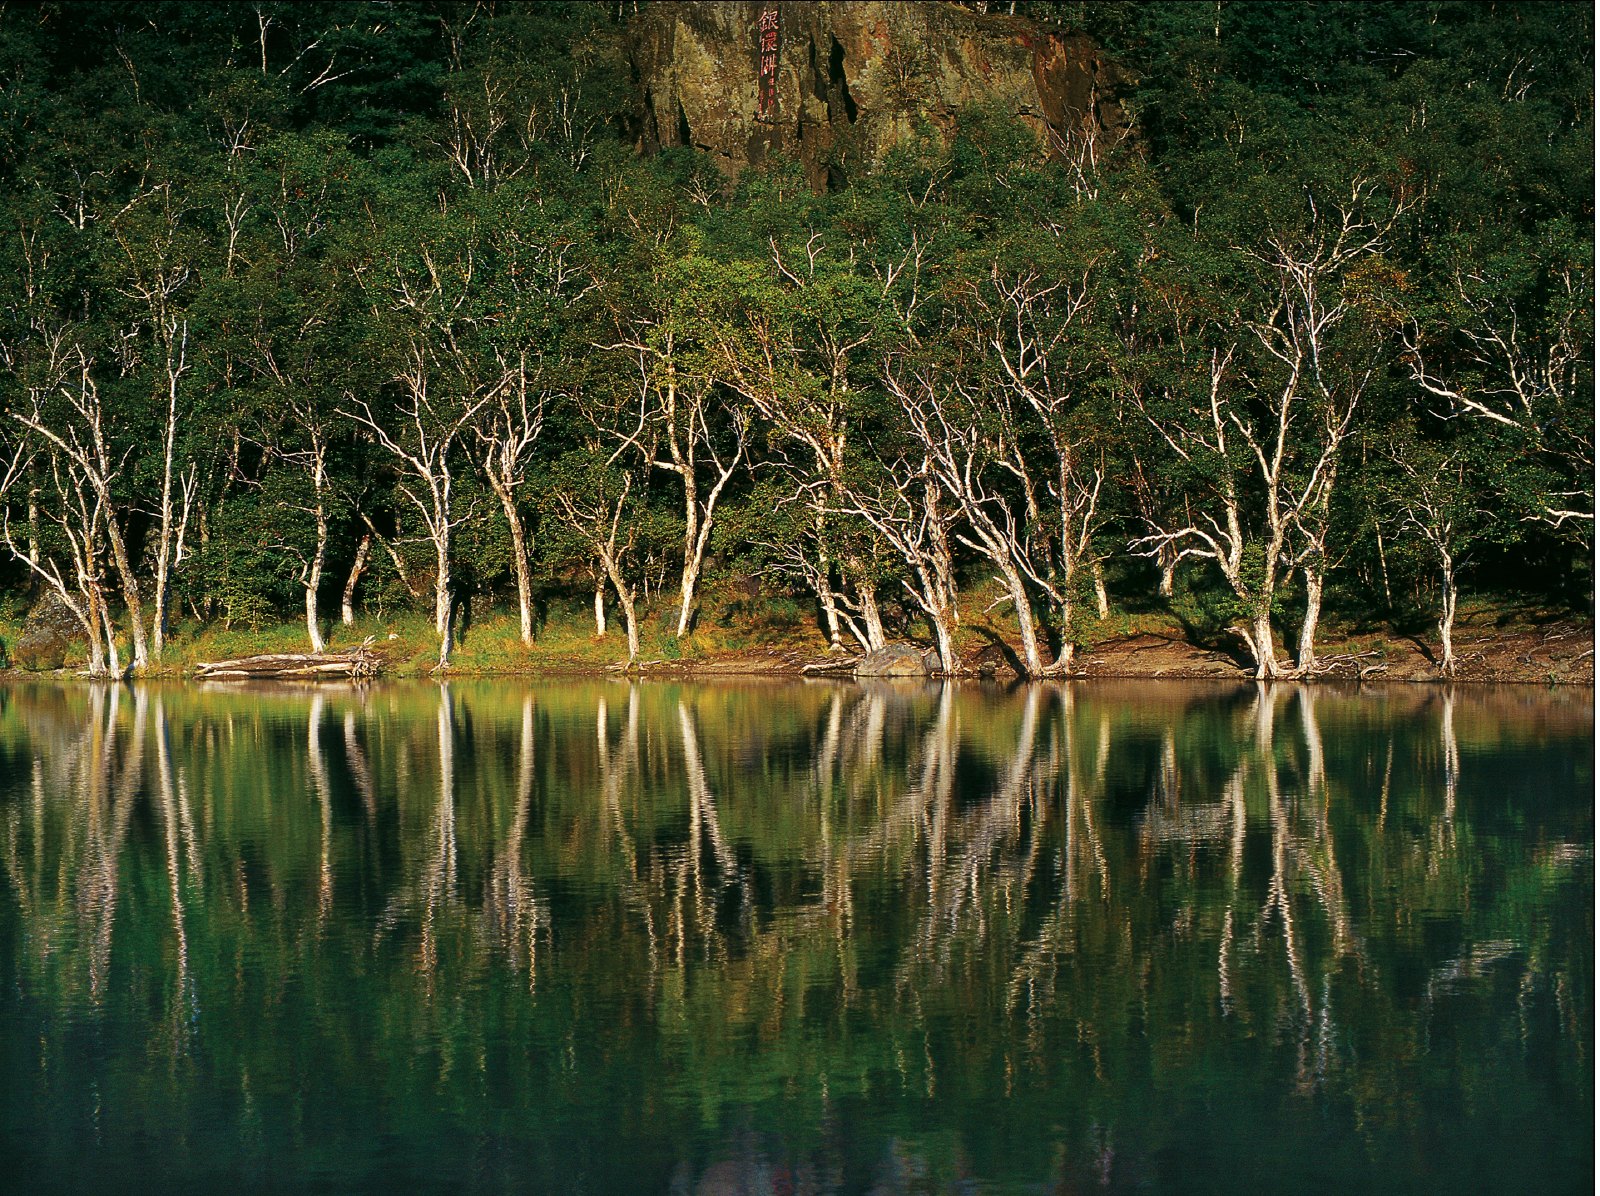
(1493, 643)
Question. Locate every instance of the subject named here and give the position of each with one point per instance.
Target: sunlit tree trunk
(507, 436)
(176, 343)
(1447, 614)
(347, 606)
(1306, 657)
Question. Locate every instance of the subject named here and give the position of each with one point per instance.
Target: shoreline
(1561, 653)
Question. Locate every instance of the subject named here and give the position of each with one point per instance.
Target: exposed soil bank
(1489, 648)
(1559, 653)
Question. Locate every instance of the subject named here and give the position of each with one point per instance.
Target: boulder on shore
(51, 633)
(898, 660)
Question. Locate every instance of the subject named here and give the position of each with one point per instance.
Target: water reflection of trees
(807, 896)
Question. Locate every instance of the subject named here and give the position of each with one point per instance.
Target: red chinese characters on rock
(767, 85)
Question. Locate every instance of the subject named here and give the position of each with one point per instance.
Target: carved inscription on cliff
(767, 76)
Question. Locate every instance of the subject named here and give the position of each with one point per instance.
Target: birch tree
(1264, 434)
(1510, 346)
(67, 562)
(901, 500)
(71, 426)
(427, 307)
(599, 505)
(684, 421)
(957, 437)
(802, 357)
(539, 279)
(1037, 379)
(157, 267)
(1434, 500)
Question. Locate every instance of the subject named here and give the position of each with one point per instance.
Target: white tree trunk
(825, 595)
(313, 584)
(113, 655)
(943, 621)
(600, 608)
(33, 525)
(630, 617)
(1447, 617)
(686, 589)
(347, 607)
(1306, 658)
(158, 621)
(130, 588)
(441, 591)
(1259, 638)
(1032, 660)
(1168, 558)
(92, 626)
(871, 616)
(519, 559)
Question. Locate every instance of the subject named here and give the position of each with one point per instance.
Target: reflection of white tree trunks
(1323, 863)
(1168, 782)
(1232, 801)
(184, 995)
(1278, 900)
(1316, 764)
(319, 784)
(1086, 807)
(514, 912)
(837, 890)
(617, 765)
(703, 811)
(985, 830)
(1452, 759)
(439, 880)
(356, 761)
(936, 791)
(1061, 769)
(123, 795)
(1278, 889)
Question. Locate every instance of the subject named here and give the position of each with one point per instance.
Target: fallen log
(358, 663)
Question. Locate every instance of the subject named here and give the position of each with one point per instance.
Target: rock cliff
(836, 84)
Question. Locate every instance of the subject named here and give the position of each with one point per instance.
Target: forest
(323, 312)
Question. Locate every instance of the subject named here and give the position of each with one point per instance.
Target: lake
(595, 936)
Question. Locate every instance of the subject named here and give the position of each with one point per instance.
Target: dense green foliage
(306, 287)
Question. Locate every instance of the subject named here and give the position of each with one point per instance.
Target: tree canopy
(336, 298)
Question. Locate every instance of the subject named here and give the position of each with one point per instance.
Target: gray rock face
(832, 83)
(51, 634)
(898, 660)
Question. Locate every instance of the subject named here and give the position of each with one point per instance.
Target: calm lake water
(601, 937)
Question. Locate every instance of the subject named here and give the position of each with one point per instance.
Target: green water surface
(613, 937)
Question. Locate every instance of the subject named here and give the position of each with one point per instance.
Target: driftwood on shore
(358, 663)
